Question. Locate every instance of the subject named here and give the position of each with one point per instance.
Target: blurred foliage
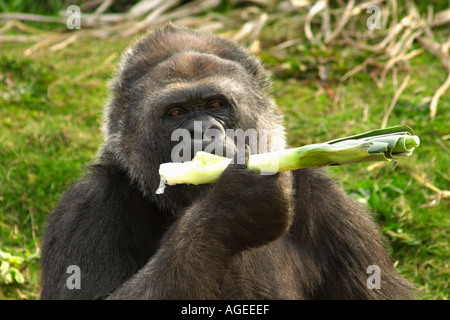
(48, 7)
(23, 81)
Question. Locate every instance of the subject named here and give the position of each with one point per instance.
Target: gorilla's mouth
(223, 144)
(216, 145)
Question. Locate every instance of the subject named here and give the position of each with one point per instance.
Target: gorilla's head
(176, 78)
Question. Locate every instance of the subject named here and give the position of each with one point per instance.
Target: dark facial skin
(204, 114)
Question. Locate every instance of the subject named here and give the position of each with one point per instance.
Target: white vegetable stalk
(377, 145)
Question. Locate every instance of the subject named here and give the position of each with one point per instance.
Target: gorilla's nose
(208, 135)
(206, 129)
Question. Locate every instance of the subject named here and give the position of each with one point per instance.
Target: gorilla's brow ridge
(185, 92)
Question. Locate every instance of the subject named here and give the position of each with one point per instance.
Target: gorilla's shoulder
(100, 184)
(102, 178)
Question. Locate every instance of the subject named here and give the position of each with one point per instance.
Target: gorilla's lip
(206, 142)
(203, 140)
(215, 146)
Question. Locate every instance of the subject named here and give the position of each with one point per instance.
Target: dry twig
(394, 100)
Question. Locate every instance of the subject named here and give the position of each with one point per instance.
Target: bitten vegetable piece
(377, 145)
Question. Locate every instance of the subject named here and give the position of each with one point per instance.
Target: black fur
(292, 235)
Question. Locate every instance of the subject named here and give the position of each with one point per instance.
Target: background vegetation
(53, 87)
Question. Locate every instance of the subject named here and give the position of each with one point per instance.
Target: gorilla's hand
(250, 209)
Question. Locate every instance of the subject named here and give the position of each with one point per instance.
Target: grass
(50, 116)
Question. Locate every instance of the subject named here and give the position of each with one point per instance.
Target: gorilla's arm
(325, 254)
(113, 235)
(243, 210)
(189, 264)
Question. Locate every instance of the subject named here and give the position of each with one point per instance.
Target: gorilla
(290, 235)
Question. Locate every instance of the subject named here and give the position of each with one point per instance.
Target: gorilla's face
(204, 94)
(199, 116)
(196, 104)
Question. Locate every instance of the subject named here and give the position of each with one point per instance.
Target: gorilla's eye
(176, 112)
(215, 104)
